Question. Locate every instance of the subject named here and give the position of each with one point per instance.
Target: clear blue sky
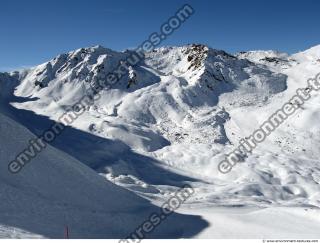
(34, 31)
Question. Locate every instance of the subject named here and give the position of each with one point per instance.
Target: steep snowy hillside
(55, 191)
(171, 119)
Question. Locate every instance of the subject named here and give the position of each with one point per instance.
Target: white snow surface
(169, 121)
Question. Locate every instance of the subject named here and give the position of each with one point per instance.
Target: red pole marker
(66, 232)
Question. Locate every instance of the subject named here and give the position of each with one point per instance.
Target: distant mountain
(173, 90)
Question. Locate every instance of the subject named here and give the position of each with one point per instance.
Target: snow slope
(256, 223)
(55, 191)
(186, 108)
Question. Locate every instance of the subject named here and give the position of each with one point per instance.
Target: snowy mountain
(169, 120)
(175, 97)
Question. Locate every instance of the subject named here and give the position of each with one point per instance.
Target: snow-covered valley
(167, 122)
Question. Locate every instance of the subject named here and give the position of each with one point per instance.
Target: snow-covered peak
(170, 87)
(312, 54)
(272, 59)
(260, 54)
